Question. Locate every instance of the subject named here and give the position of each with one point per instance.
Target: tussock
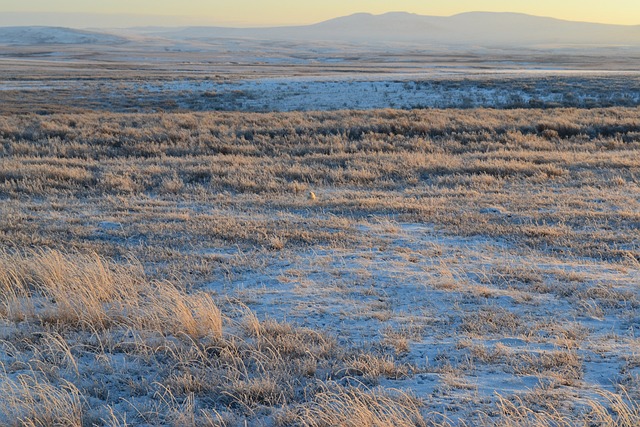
(88, 292)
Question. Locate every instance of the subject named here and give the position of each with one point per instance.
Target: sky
(294, 12)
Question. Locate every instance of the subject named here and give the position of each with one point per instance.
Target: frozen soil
(476, 316)
(473, 259)
(348, 91)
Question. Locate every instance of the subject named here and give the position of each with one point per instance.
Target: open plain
(372, 221)
(384, 267)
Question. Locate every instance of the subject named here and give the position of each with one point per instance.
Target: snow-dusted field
(433, 90)
(207, 231)
(462, 309)
(454, 266)
(441, 89)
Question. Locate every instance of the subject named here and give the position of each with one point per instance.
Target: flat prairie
(338, 268)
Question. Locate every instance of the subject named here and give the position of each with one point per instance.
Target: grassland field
(417, 267)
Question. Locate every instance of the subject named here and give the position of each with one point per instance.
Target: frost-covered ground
(472, 258)
(477, 315)
(437, 90)
(431, 89)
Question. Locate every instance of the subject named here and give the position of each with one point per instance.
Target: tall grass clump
(608, 410)
(339, 406)
(28, 400)
(88, 292)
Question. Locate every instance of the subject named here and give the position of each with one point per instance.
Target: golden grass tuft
(89, 292)
(31, 401)
(338, 406)
(616, 410)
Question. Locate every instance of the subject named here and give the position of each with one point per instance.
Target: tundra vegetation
(344, 268)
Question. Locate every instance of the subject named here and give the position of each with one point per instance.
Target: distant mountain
(521, 29)
(485, 29)
(467, 30)
(27, 36)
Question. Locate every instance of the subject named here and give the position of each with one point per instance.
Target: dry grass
(618, 410)
(88, 292)
(30, 401)
(77, 313)
(231, 269)
(413, 164)
(350, 407)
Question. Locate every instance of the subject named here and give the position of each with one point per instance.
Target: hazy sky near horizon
(291, 12)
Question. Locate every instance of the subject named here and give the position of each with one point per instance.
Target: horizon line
(240, 25)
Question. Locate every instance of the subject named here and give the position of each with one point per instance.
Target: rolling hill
(35, 35)
(465, 31)
(486, 29)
